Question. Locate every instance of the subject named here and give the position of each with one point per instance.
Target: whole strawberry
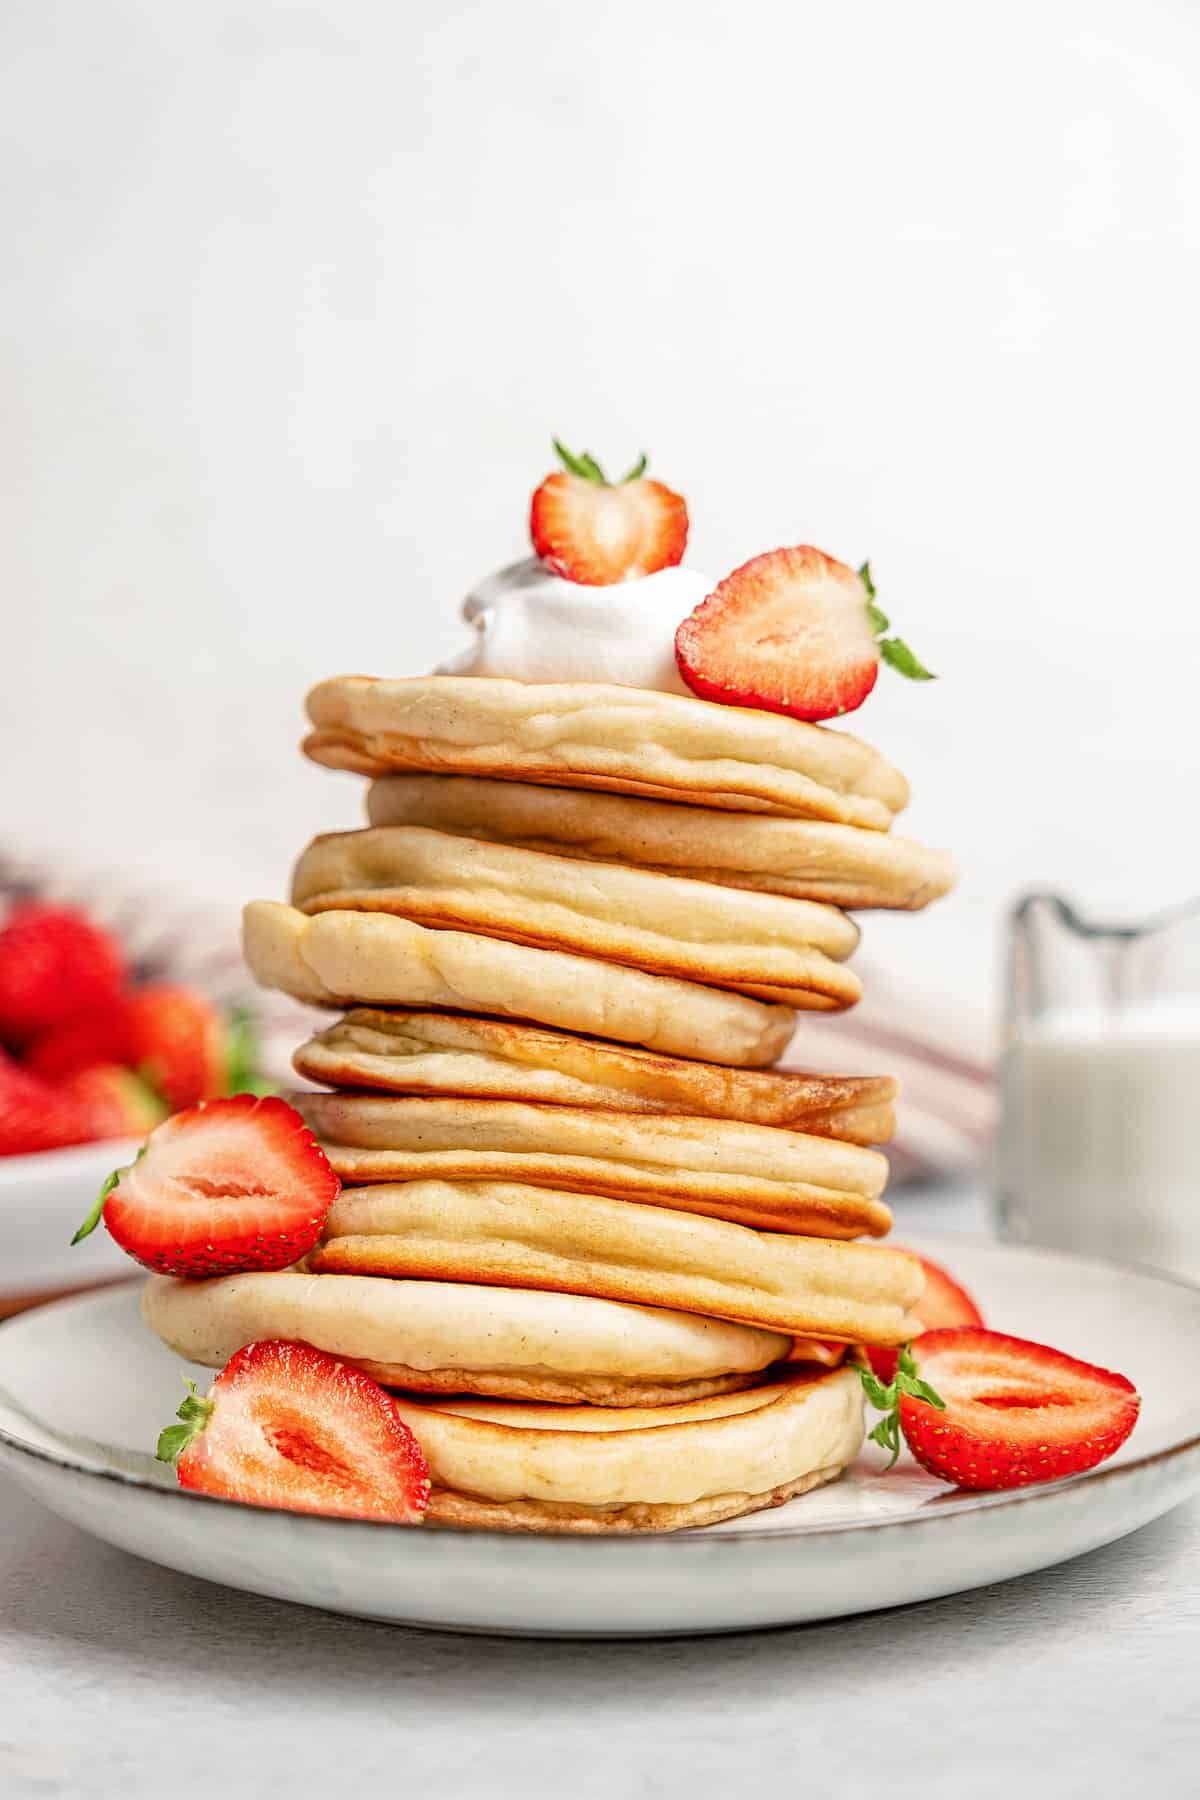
(53, 962)
(101, 1034)
(34, 1115)
(178, 1042)
(118, 1103)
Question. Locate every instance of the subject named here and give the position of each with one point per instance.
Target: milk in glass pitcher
(1098, 1147)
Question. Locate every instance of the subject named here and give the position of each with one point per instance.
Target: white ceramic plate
(43, 1199)
(84, 1389)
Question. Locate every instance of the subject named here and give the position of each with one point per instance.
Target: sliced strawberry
(34, 1115)
(1015, 1412)
(180, 1044)
(943, 1303)
(598, 532)
(288, 1426)
(118, 1102)
(791, 631)
(817, 1350)
(53, 962)
(232, 1184)
(99, 1035)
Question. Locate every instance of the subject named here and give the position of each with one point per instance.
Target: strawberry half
(791, 631)
(943, 1303)
(233, 1184)
(598, 532)
(288, 1426)
(53, 962)
(1014, 1412)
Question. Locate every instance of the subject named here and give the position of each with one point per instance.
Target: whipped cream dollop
(531, 625)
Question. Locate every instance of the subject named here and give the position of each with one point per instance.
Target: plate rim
(967, 1505)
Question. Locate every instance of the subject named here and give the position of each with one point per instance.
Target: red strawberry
(598, 532)
(1015, 1412)
(53, 962)
(37, 1116)
(285, 1425)
(944, 1302)
(232, 1184)
(179, 1044)
(792, 631)
(99, 1035)
(117, 1103)
(825, 1351)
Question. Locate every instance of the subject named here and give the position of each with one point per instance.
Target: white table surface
(120, 1678)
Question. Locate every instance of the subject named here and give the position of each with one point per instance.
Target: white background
(294, 295)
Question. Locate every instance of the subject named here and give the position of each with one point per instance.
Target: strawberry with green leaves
(238, 1183)
(179, 1044)
(118, 1102)
(987, 1411)
(598, 532)
(791, 631)
(285, 1425)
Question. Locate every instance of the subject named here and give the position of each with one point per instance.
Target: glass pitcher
(1098, 1145)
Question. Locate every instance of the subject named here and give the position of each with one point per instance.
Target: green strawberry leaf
(897, 654)
(97, 1213)
(894, 651)
(885, 1398)
(638, 470)
(585, 466)
(93, 1219)
(195, 1413)
(241, 1056)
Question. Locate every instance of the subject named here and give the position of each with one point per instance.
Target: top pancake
(589, 735)
(803, 859)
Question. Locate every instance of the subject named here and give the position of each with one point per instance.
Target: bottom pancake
(472, 1514)
(509, 1467)
(451, 1337)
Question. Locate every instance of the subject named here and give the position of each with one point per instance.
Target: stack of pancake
(598, 1245)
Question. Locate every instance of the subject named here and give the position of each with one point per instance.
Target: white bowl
(43, 1200)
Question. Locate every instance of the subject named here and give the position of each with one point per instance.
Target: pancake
(595, 1469)
(341, 957)
(491, 1059)
(804, 859)
(444, 1337)
(754, 1175)
(590, 735)
(758, 944)
(515, 1235)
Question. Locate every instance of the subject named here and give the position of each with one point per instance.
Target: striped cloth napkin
(947, 1097)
